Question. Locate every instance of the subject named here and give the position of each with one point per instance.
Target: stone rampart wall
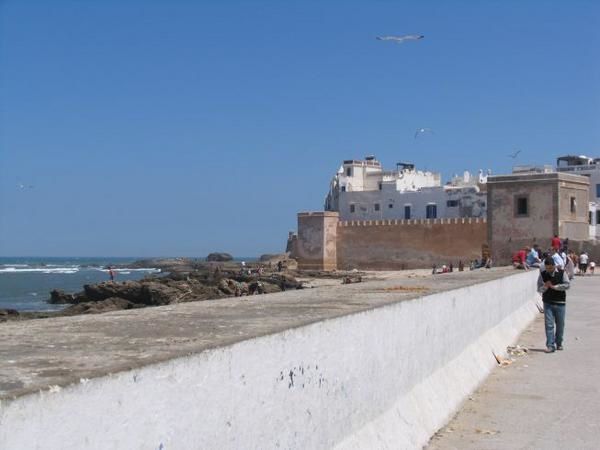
(405, 244)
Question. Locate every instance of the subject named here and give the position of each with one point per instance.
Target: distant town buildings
(403, 218)
(363, 190)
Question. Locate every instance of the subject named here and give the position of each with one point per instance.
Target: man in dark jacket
(552, 284)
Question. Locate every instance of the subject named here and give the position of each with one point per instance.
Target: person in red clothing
(519, 259)
(555, 243)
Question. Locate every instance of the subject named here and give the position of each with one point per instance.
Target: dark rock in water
(8, 314)
(110, 304)
(219, 257)
(59, 297)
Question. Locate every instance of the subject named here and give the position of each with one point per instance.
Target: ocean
(25, 283)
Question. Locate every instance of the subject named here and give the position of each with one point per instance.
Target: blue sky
(181, 128)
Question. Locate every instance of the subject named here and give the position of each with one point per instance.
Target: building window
(352, 208)
(452, 203)
(376, 207)
(590, 217)
(431, 211)
(390, 205)
(407, 212)
(349, 171)
(343, 188)
(380, 186)
(597, 217)
(521, 206)
(597, 190)
(573, 205)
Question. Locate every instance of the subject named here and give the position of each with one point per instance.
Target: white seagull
(514, 155)
(401, 39)
(423, 130)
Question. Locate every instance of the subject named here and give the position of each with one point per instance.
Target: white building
(589, 167)
(362, 190)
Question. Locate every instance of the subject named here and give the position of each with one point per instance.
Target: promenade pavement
(540, 401)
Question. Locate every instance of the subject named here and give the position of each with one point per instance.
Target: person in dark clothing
(552, 284)
(111, 273)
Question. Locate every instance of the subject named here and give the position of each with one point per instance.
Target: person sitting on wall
(518, 260)
(533, 257)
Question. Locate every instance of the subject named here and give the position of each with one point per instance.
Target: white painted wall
(385, 378)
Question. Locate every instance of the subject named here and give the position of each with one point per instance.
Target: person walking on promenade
(552, 284)
(583, 262)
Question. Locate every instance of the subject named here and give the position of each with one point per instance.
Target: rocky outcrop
(202, 281)
(8, 314)
(219, 257)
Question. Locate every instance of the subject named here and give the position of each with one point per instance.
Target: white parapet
(387, 377)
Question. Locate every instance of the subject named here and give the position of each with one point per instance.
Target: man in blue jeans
(552, 284)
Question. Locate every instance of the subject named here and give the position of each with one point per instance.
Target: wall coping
(401, 222)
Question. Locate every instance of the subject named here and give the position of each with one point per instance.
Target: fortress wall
(387, 377)
(404, 244)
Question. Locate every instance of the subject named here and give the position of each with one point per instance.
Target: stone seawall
(373, 365)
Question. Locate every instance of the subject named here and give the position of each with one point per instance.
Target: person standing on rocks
(111, 273)
(552, 284)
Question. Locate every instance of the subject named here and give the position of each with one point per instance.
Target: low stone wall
(387, 377)
(407, 244)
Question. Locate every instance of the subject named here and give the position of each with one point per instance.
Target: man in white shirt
(559, 263)
(583, 262)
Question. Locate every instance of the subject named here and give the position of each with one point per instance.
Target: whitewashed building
(362, 190)
(589, 167)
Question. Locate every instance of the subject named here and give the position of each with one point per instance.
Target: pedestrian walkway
(540, 401)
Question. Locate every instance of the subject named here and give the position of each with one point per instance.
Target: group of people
(474, 264)
(564, 258)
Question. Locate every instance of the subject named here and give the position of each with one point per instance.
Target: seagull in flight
(423, 130)
(401, 39)
(514, 155)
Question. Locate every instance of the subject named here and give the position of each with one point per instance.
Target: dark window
(407, 212)
(598, 190)
(349, 171)
(483, 204)
(597, 217)
(380, 186)
(390, 206)
(573, 205)
(343, 188)
(352, 208)
(376, 207)
(431, 212)
(452, 203)
(521, 206)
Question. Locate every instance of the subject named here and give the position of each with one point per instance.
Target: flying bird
(24, 186)
(401, 39)
(423, 130)
(514, 155)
